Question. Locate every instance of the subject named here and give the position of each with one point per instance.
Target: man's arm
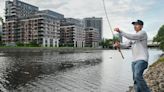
(138, 36)
(123, 45)
(126, 44)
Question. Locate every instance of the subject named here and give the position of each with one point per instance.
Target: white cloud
(121, 12)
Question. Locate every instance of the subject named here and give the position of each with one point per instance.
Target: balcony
(13, 7)
(41, 34)
(40, 26)
(40, 22)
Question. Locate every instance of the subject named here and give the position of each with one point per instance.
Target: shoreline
(154, 76)
(41, 49)
(57, 49)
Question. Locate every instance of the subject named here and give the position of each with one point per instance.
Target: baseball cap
(140, 22)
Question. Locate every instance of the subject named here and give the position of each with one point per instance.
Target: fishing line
(110, 26)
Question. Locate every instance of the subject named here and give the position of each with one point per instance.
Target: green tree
(160, 37)
(19, 44)
(33, 44)
(106, 43)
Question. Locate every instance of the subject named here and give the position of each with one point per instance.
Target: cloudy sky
(121, 12)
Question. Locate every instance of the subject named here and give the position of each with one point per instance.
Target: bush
(19, 44)
(31, 44)
(160, 38)
(162, 45)
(106, 43)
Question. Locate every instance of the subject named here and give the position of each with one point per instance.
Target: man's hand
(117, 44)
(117, 29)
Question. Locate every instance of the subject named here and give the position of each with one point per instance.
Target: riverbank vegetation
(107, 43)
(160, 60)
(159, 38)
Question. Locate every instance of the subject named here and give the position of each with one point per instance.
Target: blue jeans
(138, 68)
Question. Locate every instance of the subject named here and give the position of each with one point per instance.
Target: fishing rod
(119, 49)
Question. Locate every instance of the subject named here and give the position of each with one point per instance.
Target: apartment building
(72, 33)
(26, 23)
(95, 22)
(91, 37)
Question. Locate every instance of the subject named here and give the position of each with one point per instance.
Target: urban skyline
(25, 23)
(121, 12)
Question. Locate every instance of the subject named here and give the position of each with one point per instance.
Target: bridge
(152, 44)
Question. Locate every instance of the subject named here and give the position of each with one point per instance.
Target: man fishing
(138, 43)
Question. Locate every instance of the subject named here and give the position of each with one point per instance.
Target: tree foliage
(160, 37)
(106, 43)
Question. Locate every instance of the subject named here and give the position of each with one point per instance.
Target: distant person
(138, 43)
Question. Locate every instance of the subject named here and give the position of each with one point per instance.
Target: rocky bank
(154, 76)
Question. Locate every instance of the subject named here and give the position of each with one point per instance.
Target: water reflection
(51, 71)
(19, 68)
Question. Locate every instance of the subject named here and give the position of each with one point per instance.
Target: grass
(160, 60)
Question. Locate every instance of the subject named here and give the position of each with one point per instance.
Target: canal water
(38, 71)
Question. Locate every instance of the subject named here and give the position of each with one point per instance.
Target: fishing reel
(117, 38)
